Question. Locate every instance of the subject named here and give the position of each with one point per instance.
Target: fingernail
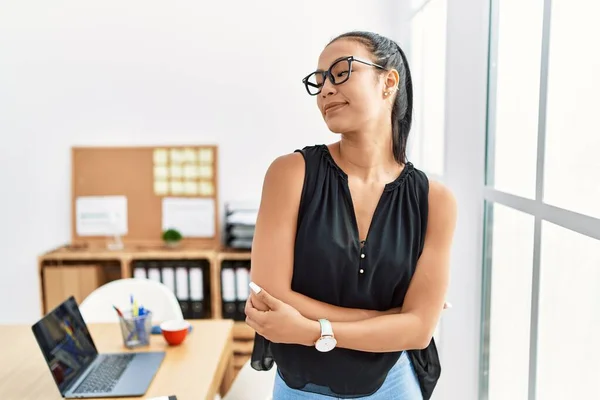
(255, 288)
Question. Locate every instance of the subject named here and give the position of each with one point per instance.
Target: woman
(350, 260)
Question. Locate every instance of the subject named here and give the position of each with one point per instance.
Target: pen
(118, 311)
(135, 309)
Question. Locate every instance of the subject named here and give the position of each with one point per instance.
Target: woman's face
(359, 101)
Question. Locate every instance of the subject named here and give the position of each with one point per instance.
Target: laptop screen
(65, 342)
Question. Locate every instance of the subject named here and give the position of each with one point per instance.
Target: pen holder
(136, 330)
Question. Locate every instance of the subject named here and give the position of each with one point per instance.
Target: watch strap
(326, 328)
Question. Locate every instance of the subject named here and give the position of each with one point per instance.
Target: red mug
(175, 331)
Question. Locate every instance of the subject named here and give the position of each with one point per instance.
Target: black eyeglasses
(338, 73)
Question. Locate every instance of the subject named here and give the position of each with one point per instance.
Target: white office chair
(154, 296)
(250, 384)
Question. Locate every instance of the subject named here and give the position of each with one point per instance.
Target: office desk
(195, 370)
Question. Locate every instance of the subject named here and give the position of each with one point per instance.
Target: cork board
(145, 176)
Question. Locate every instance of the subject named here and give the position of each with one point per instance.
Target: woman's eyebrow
(333, 62)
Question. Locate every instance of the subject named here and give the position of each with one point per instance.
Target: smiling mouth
(335, 107)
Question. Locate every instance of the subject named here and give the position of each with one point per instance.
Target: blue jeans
(400, 384)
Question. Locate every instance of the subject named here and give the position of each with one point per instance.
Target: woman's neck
(369, 156)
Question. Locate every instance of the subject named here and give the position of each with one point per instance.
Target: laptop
(77, 368)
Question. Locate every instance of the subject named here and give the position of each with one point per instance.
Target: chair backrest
(250, 384)
(154, 296)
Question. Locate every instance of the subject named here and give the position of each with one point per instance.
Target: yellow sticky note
(177, 188)
(161, 188)
(191, 188)
(177, 156)
(205, 171)
(161, 172)
(209, 188)
(205, 156)
(205, 189)
(190, 155)
(176, 171)
(161, 156)
(190, 172)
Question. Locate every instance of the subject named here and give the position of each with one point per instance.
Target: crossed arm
(273, 245)
(272, 267)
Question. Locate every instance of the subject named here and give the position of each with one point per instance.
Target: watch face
(326, 343)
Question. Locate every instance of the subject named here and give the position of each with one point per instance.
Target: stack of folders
(235, 277)
(187, 279)
(240, 220)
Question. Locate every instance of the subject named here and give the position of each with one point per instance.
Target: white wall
(466, 87)
(464, 169)
(143, 73)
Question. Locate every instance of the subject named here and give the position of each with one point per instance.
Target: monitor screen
(65, 342)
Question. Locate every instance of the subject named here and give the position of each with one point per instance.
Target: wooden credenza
(79, 270)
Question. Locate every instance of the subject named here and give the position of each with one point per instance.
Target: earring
(386, 93)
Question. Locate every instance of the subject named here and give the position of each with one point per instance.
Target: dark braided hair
(388, 54)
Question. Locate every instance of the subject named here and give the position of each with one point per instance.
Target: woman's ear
(392, 81)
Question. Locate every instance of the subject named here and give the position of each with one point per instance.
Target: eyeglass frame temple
(327, 73)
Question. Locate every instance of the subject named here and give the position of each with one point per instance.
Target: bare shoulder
(441, 197)
(442, 212)
(282, 187)
(286, 172)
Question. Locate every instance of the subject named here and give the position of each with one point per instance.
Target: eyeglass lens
(339, 72)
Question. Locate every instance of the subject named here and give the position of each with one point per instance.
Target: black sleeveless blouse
(332, 265)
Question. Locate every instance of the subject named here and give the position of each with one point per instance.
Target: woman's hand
(281, 323)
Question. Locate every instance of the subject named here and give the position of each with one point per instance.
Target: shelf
(239, 361)
(242, 331)
(66, 253)
(233, 255)
(132, 251)
(167, 254)
(243, 346)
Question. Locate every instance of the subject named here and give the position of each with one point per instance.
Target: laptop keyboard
(104, 377)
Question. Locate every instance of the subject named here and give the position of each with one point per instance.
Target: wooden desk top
(193, 370)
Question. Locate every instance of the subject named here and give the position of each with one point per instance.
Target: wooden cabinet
(243, 343)
(243, 335)
(63, 282)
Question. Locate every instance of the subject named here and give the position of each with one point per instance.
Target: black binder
(199, 287)
(228, 290)
(139, 269)
(242, 280)
(235, 277)
(182, 287)
(188, 279)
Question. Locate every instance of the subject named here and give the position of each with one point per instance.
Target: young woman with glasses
(350, 260)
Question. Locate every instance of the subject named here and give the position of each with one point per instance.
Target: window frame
(583, 224)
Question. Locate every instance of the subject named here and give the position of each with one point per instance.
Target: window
(511, 260)
(569, 315)
(427, 59)
(572, 133)
(541, 303)
(514, 123)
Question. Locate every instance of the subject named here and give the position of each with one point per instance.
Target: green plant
(171, 235)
